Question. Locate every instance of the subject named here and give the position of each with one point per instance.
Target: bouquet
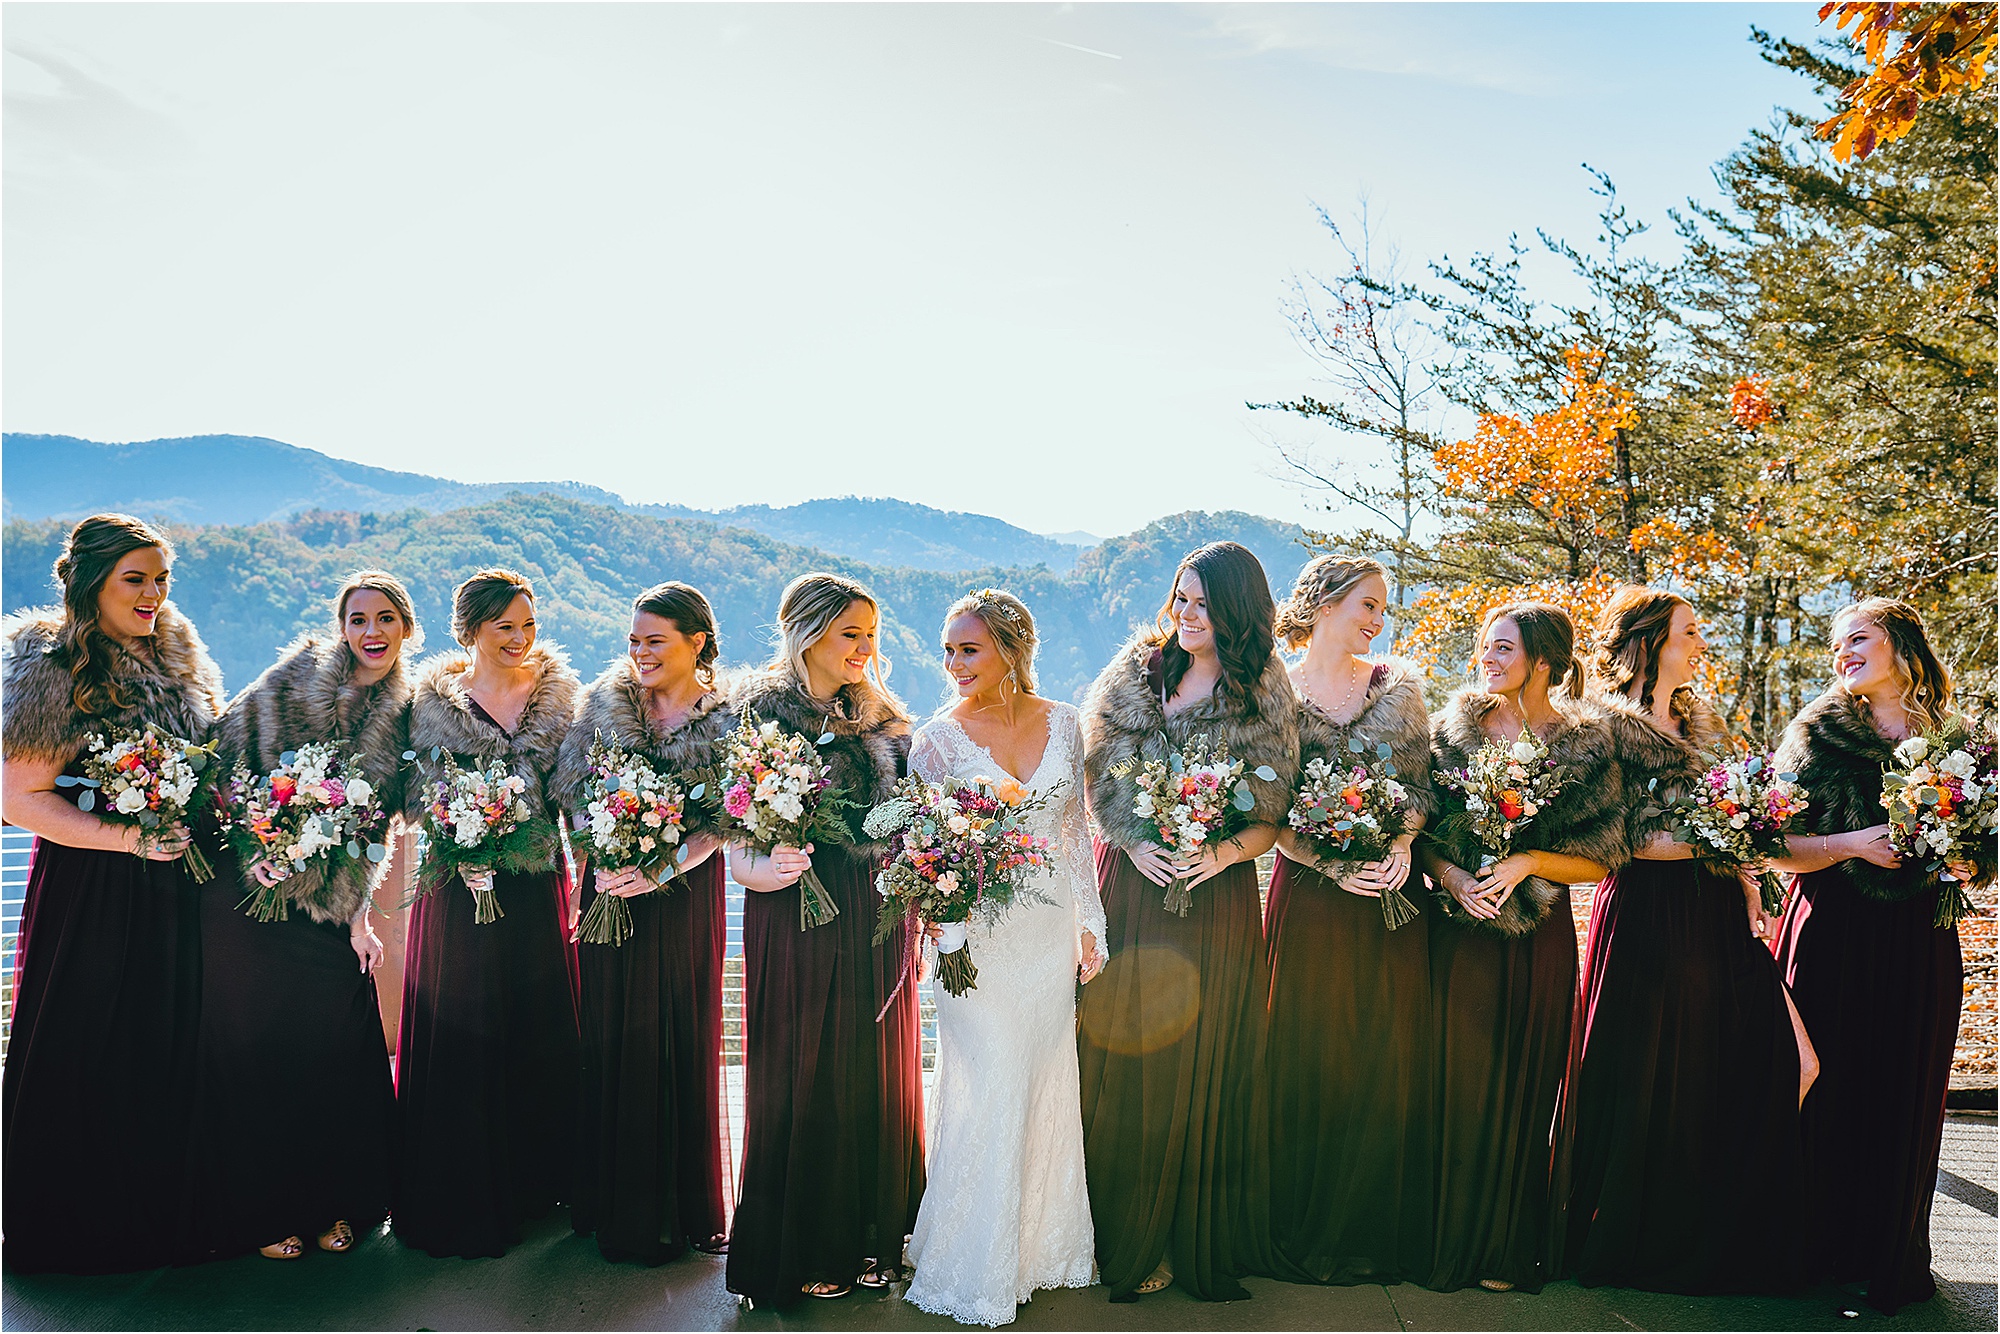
(637, 817)
(479, 820)
(148, 778)
(1355, 813)
(1193, 798)
(776, 789)
(1505, 786)
(964, 845)
(1942, 806)
(314, 806)
(1740, 809)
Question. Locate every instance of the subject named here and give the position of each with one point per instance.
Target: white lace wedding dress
(1005, 1211)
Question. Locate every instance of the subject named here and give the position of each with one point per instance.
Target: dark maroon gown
(1684, 1093)
(833, 1166)
(1176, 1114)
(649, 1162)
(294, 1104)
(1502, 1009)
(1352, 1083)
(100, 1061)
(1879, 987)
(486, 1067)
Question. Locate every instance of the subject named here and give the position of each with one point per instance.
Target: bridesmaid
(1503, 953)
(291, 1034)
(1878, 983)
(108, 988)
(486, 1070)
(1171, 1037)
(833, 1123)
(1351, 1064)
(649, 1174)
(1687, 1071)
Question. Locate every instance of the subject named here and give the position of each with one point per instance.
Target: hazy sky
(1023, 259)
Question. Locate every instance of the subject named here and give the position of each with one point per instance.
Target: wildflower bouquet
(316, 805)
(1739, 810)
(1354, 813)
(149, 778)
(775, 788)
(964, 846)
(637, 818)
(1505, 785)
(1942, 807)
(479, 820)
(1193, 798)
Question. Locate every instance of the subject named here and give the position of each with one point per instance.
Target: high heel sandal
(826, 1291)
(338, 1238)
(878, 1278)
(291, 1248)
(1158, 1281)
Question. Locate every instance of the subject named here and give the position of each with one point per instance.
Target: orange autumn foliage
(1691, 557)
(1559, 462)
(1750, 403)
(1444, 622)
(1944, 48)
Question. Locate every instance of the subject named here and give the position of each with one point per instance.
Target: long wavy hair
(1547, 635)
(808, 608)
(684, 605)
(1631, 630)
(89, 555)
(1925, 680)
(390, 587)
(1240, 612)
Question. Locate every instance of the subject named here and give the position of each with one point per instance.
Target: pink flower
(336, 792)
(737, 801)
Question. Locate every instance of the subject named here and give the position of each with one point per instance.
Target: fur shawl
(1124, 718)
(441, 716)
(310, 695)
(1647, 755)
(1839, 757)
(176, 687)
(1586, 819)
(870, 749)
(1392, 713)
(614, 705)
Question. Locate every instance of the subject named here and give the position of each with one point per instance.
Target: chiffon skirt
(1352, 1084)
(294, 1104)
(486, 1067)
(1879, 988)
(1175, 1109)
(100, 1062)
(1502, 1012)
(649, 1171)
(1684, 1093)
(833, 1167)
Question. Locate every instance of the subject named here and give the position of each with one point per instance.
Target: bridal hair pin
(998, 600)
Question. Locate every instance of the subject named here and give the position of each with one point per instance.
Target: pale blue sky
(1022, 259)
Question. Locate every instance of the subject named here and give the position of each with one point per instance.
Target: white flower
(358, 791)
(958, 824)
(948, 882)
(1524, 752)
(1958, 764)
(131, 801)
(647, 843)
(1912, 750)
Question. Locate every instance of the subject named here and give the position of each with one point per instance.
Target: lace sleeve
(1076, 850)
(927, 758)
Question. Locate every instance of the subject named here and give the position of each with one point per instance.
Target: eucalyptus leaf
(1244, 801)
(435, 752)
(825, 738)
(699, 788)
(67, 780)
(86, 800)
(1267, 773)
(1788, 778)
(1354, 744)
(148, 820)
(1382, 750)
(376, 852)
(1754, 765)
(354, 849)
(409, 754)
(197, 760)
(680, 854)
(288, 757)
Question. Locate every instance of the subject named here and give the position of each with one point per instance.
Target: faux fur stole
(310, 695)
(614, 706)
(1392, 713)
(175, 686)
(1833, 747)
(870, 748)
(1586, 819)
(441, 716)
(1124, 718)
(1647, 755)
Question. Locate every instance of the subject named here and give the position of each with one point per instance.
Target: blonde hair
(1324, 581)
(390, 587)
(1922, 675)
(1012, 626)
(808, 608)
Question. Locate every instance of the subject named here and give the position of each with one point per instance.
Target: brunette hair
(1547, 635)
(1925, 680)
(390, 587)
(89, 555)
(1324, 581)
(485, 597)
(1241, 613)
(808, 608)
(1631, 630)
(684, 605)
(1012, 626)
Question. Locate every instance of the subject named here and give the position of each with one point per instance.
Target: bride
(1006, 1211)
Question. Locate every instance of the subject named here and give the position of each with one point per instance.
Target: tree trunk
(1628, 505)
